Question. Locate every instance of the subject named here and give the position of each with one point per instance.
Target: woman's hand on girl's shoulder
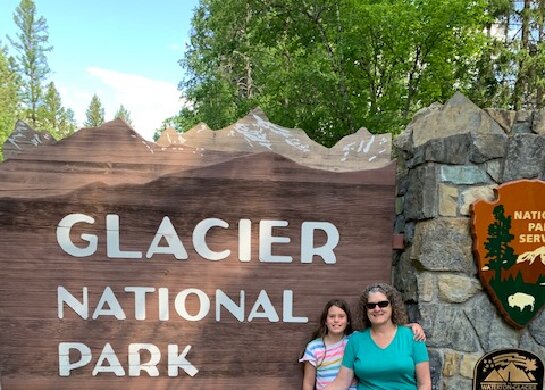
(418, 331)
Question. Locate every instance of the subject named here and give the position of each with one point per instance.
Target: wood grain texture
(110, 170)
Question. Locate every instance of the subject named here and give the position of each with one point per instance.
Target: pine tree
(32, 43)
(9, 100)
(67, 123)
(95, 113)
(124, 114)
(50, 111)
(501, 255)
(54, 118)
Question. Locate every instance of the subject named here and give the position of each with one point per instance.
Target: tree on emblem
(499, 252)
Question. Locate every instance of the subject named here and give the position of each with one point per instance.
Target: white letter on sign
(64, 357)
(266, 240)
(204, 304)
(288, 309)
(108, 297)
(176, 361)
(269, 311)
(63, 236)
(81, 308)
(113, 362)
(199, 239)
(140, 301)
(307, 242)
(175, 246)
(134, 359)
(112, 247)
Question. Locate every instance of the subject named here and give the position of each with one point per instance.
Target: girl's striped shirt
(326, 360)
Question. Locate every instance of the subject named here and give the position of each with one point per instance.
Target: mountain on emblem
(509, 247)
(508, 369)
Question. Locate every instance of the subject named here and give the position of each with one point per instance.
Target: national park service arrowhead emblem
(509, 246)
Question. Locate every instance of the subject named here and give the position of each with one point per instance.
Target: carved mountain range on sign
(111, 154)
(254, 133)
(24, 138)
(115, 154)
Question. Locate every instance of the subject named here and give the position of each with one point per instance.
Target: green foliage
(328, 66)
(54, 118)
(31, 43)
(124, 114)
(510, 72)
(9, 101)
(95, 113)
(499, 252)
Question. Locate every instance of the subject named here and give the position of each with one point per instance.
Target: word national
(176, 248)
(109, 305)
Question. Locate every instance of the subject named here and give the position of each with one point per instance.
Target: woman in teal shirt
(384, 356)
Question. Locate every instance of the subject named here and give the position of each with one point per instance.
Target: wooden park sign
(509, 246)
(129, 264)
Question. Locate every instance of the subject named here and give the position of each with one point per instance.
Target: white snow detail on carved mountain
(346, 151)
(368, 146)
(286, 133)
(250, 136)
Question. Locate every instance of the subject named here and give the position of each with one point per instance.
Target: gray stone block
(450, 150)
(486, 147)
(539, 122)
(458, 116)
(399, 225)
(494, 168)
(504, 118)
(537, 328)
(421, 197)
(448, 327)
(408, 235)
(521, 128)
(455, 288)
(443, 244)
(528, 343)
(466, 174)
(523, 116)
(492, 331)
(436, 367)
(525, 158)
(405, 278)
(457, 383)
(403, 141)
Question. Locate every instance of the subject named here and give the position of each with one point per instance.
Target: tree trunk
(540, 27)
(521, 84)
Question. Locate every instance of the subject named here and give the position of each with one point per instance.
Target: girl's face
(378, 315)
(335, 321)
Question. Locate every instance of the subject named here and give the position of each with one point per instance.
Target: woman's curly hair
(399, 315)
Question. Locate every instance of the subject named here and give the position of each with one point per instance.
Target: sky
(126, 54)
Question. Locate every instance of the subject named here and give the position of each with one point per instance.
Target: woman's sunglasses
(381, 304)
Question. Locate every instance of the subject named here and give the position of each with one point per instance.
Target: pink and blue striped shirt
(326, 360)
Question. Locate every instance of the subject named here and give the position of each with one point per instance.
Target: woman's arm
(309, 376)
(418, 331)
(423, 379)
(343, 379)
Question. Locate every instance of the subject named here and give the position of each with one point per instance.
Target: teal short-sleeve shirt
(387, 368)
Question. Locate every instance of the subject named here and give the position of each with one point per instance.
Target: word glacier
(176, 248)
